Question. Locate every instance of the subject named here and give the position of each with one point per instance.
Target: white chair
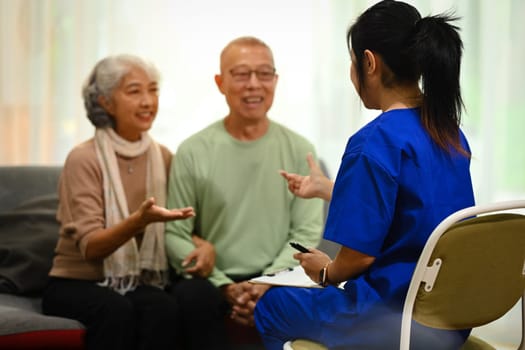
(470, 273)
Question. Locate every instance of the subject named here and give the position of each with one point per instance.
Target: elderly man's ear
(219, 81)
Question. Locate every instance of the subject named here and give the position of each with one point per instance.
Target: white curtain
(49, 47)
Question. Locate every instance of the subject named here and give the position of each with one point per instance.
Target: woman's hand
(313, 262)
(105, 241)
(348, 263)
(149, 212)
(204, 257)
(315, 185)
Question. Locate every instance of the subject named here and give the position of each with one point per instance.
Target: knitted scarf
(128, 266)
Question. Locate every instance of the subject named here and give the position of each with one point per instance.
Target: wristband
(323, 275)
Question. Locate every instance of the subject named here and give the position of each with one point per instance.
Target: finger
(246, 286)
(177, 214)
(197, 266)
(243, 299)
(316, 251)
(245, 312)
(189, 211)
(311, 162)
(183, 211)
(299, 256)
(186, 215)
(189, 258)
(243, 320)
(258, 292)
(248, 308)
(288, 176)
(148, 203)
(193, 270)
(197, 240)
(251, 306)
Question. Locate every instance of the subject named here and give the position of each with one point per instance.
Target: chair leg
(522, 344)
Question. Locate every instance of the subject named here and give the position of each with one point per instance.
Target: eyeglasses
(243, 74)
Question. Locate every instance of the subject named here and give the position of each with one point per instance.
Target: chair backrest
(471, 270)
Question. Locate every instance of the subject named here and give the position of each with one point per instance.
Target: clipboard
(292, 277)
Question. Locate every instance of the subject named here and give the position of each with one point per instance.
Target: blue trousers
(331, 317)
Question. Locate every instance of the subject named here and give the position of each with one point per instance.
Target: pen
(300, 247)
(276, 272)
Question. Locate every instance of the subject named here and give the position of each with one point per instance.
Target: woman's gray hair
(104, 78)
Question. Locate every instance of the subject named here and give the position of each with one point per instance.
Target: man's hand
(231, 292)
(243, 296)
(203, 257)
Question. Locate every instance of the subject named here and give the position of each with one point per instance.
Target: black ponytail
(437, 48)
(416, 48)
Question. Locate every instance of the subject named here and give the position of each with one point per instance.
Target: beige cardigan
(81, 206)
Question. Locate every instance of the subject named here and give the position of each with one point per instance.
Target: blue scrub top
(392, 189)
(394, 186)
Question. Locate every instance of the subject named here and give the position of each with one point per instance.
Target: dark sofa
(28, 235)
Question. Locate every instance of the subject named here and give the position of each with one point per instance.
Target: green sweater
(243, 206)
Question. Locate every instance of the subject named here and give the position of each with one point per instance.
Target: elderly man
(229, 173)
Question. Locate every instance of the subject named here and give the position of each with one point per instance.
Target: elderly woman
(110, 268)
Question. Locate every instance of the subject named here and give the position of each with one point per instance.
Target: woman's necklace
(130, 167)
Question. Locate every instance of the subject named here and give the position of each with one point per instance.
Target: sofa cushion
(15, 320)
(28, 235)
(56, 339)
(22, 326)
